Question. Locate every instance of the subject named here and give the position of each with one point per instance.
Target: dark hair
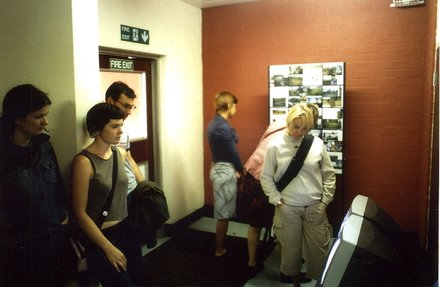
(115, 90)
(100, 115)
(18, 103)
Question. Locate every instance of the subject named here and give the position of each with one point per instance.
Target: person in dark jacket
(226, 168)
(148, 211)
(32, 194)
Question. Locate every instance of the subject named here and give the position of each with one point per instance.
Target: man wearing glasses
(147, 206)
(122, 96)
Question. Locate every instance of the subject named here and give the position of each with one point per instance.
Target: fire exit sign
(120, 64)
(135, 35)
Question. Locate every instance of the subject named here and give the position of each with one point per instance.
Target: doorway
(139, 124)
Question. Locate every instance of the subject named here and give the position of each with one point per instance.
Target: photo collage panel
(321, 84)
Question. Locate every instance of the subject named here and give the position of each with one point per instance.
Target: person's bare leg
(221, 230)
(252, 239)
(296, 280)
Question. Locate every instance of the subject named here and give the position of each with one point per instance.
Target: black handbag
(296, 163)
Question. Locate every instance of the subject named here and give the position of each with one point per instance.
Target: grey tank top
(100, 185)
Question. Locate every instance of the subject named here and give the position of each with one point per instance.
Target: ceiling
(215, 3)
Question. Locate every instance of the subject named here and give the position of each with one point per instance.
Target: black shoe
(304, 279)
(288, 279)
(285, 278)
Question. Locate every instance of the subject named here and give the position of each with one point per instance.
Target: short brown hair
(224, 100)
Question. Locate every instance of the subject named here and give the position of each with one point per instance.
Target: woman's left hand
(116, 258)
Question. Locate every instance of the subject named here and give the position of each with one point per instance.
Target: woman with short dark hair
(113, 253)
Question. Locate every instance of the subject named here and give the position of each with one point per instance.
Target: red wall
(389, 58)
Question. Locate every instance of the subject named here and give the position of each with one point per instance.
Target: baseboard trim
(178, 226)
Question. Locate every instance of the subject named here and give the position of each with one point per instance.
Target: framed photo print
(322, 84)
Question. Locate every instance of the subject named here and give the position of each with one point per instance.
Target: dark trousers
(124, 238)
(34, 263)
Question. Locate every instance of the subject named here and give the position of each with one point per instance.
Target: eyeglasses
(127, 106)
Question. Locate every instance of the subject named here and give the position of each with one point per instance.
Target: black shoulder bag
(296, 163)
(108, 202)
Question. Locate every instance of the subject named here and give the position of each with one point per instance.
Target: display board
(322, 84)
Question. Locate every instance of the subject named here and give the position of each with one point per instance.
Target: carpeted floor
(188, 260)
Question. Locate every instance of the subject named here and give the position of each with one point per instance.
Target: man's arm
(135, 168)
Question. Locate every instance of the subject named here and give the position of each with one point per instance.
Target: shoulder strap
(104, 212)
(296, 163)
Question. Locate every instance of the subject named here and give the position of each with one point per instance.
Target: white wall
(55, 44)
(86, 63)
(38, 47)
(175, 35)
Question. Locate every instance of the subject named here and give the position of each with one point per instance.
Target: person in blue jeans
(114, 254)
(33, 200)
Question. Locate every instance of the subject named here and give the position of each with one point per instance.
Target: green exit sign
(136, 35)
(121, 64)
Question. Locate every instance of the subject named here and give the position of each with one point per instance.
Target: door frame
(144, 149)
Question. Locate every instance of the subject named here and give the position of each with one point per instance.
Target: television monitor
(368, 209)
(360, 256)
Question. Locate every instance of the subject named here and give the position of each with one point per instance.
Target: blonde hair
(303, 112)
(224, 100)
(315, 111)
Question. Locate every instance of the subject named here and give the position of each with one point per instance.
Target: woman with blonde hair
(300, 212)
